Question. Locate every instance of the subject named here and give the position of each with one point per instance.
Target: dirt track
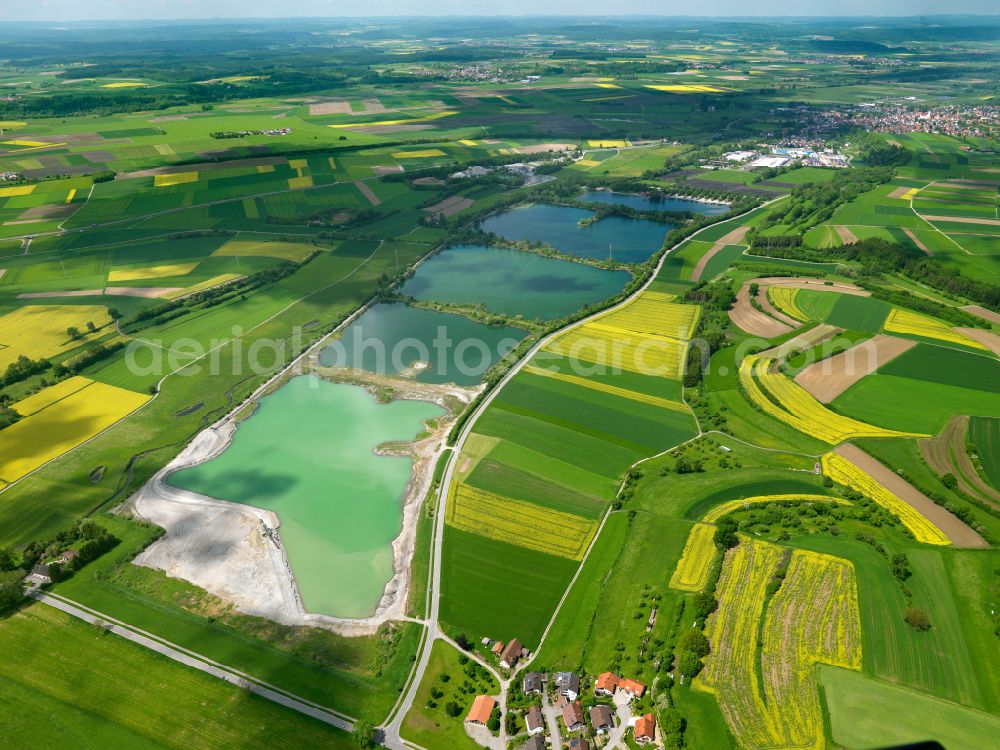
(963, 220)
(733, 238)
(846, 235)
(946, 455)
(957, 532)
(827, 379)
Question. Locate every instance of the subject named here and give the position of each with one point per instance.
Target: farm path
(195, 660)
(391, 728)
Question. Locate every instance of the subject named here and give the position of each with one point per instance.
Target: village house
(536, 742)
(572, 714)
(606, 684)
(69, 556)
(41, 574)
(482, 709)
(532, 683)
(510, 654)
(632, 689)
(568, 684)
(497, 648)
(645, 729)
(579, 743)
(601, 719)
(534, 720)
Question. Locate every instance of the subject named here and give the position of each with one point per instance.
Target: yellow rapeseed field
(48, 396)
(813, 618)
(915, 324)
(799, 409)
(16, 190)
(26, 144)
(380, 123)
(420, 154)
(784, 298)
(179, 178)
(62, 426)
(516, 522)
(151, 272)
(297, 183)
(683, 88)
(691, 573)
(123, 85)
(609, 143)
(842, 471)
(40, 330)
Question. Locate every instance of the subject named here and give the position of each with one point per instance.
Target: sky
(71, 10)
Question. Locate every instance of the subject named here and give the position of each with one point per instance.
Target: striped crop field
(521, 523)
(798, 408)
(784, 298)
(768, 696)
(842, 471)
(814, 617)
(730, 671)
(648, 336)
(691, 573)
(915, 324)
(151, 272)
(61, 426)
(596, 385)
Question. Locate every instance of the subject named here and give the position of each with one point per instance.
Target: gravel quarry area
(235, 551)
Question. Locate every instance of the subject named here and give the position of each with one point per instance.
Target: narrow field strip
(519, 523)
(691, 573)
(728, 507)
(605, 388)
(48, 396)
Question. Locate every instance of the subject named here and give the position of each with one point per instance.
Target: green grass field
(68, 682)
(985, 435)
(867, 713)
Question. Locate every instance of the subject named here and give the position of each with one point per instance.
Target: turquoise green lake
(391, 338)
(306, 454)
(512, 282)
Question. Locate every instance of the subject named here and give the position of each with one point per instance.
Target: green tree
(695, 641)
(11, 589)
(364, 734)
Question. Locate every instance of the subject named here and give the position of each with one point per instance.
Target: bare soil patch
(341, 107)
(963, 220)
(142, 291)
(830, 377)
(916, 241)
(541, 148)
(51, 211)
(367, 192)
(46, 295)
(957, 532)
(750, 319)
(846, 235)
(449, 206)
(383, 129)
(946, 455)
(733, 238)
(983, 313)
(988, 339)
(899, 192)
(384, 169)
